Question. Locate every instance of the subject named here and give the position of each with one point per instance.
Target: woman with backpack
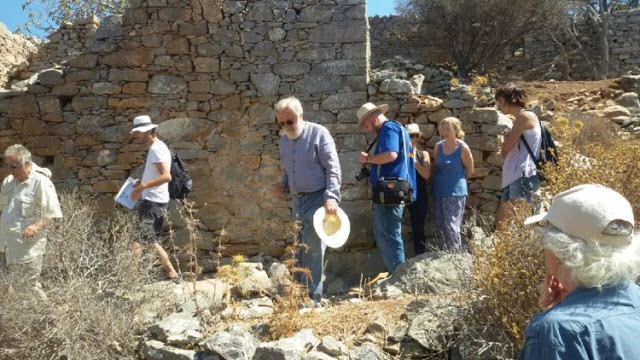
(520, 178)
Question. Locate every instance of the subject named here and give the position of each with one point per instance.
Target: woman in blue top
(453, 166)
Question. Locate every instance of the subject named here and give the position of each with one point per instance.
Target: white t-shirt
(158, 153)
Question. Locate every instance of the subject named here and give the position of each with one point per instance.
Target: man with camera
(312, 176)
(392, 177)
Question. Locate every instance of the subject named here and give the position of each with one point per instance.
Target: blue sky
(12, 15)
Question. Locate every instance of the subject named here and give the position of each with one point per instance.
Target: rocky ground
(413, 314)
(615, 100)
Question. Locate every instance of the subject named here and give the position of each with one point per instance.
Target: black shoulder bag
(394, 191)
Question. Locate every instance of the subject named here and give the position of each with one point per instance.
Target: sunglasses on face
(413, 136)
(286, 123)
(11, 166)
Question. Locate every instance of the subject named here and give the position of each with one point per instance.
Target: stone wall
(536, 56)
(393, 36)
(540, 55)
(209, 71)
(482, 125)
(14, 53)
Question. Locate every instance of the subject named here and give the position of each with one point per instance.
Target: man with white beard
(312, 176)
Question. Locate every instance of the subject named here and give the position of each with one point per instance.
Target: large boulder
(331, 346)
(477, 345)
(255, 308)
(287, 349)
(367, 351)
(615, 111)
(178, 328)
(629, 100)
(433, 322)
(156, 350)
(253, 280)
(630, 83)
(235, 344)
(433, 273)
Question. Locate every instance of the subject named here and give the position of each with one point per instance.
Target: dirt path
(561, 91)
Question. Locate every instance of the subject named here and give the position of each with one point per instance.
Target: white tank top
(518, 162)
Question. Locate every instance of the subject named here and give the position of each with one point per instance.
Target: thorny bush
(92, 283)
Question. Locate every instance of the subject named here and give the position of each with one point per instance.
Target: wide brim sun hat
(142, 123)
(368, 108)
(333, 230)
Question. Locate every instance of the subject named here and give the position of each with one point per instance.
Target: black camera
(363, 174)
(364, 170)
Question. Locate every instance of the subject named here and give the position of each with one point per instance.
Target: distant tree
(48, 15)
(597, 14)
(475, 32)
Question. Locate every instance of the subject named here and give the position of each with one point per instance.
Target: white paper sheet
(124, 195)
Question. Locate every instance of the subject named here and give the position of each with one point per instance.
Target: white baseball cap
(333, 230)
(586, 211)
(142, 123)
(368, 108)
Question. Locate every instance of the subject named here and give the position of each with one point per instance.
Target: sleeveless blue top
(449, 179)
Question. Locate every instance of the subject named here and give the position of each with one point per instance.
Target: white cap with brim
(142, 123)
(367, 109)
(585, 212)
(333, 230)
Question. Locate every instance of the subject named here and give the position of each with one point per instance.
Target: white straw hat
(142, 123)
(586, 212)
(333, 230)
(368, 108)
(413, 129)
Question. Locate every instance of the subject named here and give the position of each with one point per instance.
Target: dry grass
(90, 277)
(508, 272)
(284, 321)
(347, 321)
(593, 154)
(506, 279)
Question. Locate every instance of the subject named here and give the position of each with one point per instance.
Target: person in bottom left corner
(153, 190)
(28, 202)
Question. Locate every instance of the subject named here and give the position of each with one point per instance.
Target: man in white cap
(312, 176)
(392, 158)
(153, 190)
(590, 303)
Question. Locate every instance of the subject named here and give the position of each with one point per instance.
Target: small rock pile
(436, 80)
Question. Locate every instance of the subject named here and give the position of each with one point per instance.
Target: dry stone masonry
(14, 53)
(535, 56)
(209, 71)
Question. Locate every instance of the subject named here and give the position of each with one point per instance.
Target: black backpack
(548, 149)
(181, 183)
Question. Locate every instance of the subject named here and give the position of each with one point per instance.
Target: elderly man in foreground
(590, 301)
(28, 201)
(312, 176)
